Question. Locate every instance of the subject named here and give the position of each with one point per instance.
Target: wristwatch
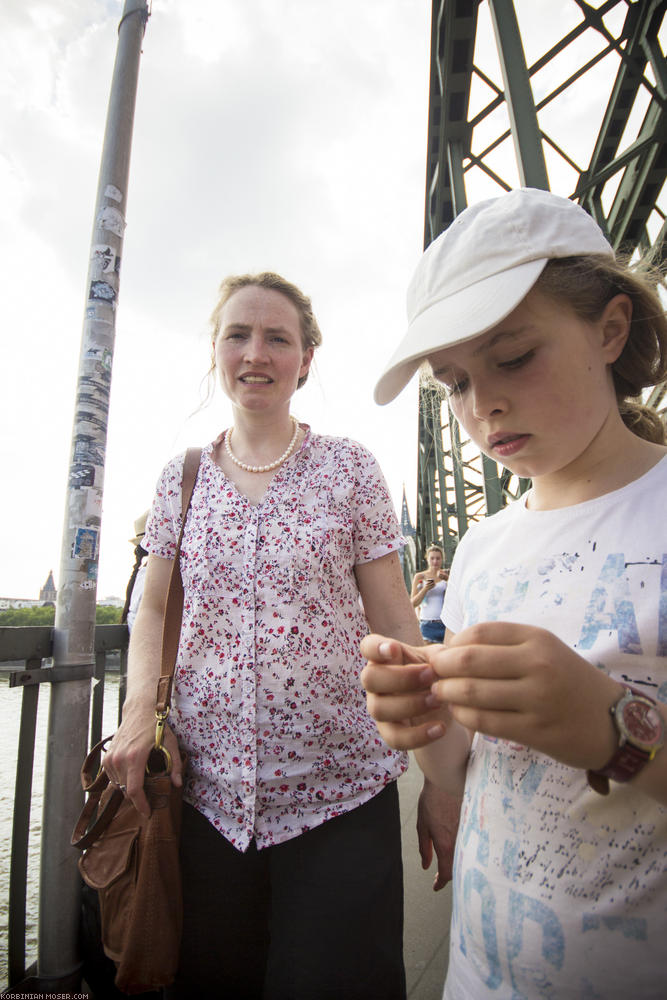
(641, 730)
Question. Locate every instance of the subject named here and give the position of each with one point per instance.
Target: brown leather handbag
(131, 860)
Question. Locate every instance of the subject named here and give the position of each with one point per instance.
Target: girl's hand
(522, 684)
(125, 760)
(398, 681)
(437, 825)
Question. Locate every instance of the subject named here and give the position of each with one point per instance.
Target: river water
(10, 719)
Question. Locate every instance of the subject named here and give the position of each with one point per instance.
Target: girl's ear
(615, 326)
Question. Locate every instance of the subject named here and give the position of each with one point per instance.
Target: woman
(428, 594)
(291, 839)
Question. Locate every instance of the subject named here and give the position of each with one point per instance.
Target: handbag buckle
(161, 718)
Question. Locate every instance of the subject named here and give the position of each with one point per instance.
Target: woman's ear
(615, 326)
(305, 364)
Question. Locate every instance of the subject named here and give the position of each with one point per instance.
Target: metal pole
(74, 634)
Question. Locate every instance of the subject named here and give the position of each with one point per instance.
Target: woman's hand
(398, 680)
(420, 588)
(125, 760)
(522, 684)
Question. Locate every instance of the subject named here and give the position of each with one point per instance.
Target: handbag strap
(173, 613)
(93, 778)
(82, 837)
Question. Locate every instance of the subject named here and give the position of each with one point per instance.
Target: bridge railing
(25, 659)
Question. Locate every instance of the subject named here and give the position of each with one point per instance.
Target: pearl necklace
(262, 468)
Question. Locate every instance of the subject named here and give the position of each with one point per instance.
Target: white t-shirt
(560, 892)
(431, 607)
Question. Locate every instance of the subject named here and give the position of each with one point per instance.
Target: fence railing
(24, 657)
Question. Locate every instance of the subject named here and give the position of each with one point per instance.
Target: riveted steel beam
(492, 126)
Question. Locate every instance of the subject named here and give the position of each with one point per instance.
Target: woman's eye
(519, 362)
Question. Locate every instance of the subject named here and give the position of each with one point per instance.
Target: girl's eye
(519, 362)
(449, 382)
(456, 388)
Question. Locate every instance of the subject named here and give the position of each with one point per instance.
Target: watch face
(641, 723)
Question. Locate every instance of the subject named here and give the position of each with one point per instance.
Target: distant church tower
(48, 593)
(407, 553)
(407, 528)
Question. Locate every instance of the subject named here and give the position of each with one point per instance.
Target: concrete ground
(427, 913)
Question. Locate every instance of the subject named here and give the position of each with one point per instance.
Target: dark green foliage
(45, 615)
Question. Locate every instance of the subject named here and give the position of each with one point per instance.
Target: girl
(428, 594)
(547, 701)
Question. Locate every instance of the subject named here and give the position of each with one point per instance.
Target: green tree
(45, 615)
(106, 615)
(42, 615)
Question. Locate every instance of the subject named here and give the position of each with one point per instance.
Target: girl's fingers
(397, 708)
(407, 737)
(505, 695)
(391, 678)
(487, 633)
(511, 726)
(474, 660)
(380, 649)
(495, 634)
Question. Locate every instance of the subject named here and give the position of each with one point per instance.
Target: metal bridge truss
(511, 104)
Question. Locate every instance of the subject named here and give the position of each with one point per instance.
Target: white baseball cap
(476, 272)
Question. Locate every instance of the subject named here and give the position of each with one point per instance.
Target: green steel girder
(622, 184)
(519, 96)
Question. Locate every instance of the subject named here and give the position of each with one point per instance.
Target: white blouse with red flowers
(268, 704)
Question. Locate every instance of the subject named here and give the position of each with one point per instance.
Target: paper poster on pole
(111, 219)
(112, 192)
(85, 543)
(104, 257)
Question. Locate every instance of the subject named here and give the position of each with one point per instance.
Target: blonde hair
(311, 335)
(588, 283)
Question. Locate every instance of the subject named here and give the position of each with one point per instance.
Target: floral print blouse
(268, 704)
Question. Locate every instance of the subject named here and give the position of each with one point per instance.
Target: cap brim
(453, 320)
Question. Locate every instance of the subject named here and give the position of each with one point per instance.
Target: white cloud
(284, 135)
(288, 136)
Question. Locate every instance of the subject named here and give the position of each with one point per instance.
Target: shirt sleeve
(376, 530)
(164, 521)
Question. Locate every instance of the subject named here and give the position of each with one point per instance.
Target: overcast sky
(270, 134)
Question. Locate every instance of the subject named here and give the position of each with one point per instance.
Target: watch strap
(628, 759)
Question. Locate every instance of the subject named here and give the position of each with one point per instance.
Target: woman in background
(428, 594)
